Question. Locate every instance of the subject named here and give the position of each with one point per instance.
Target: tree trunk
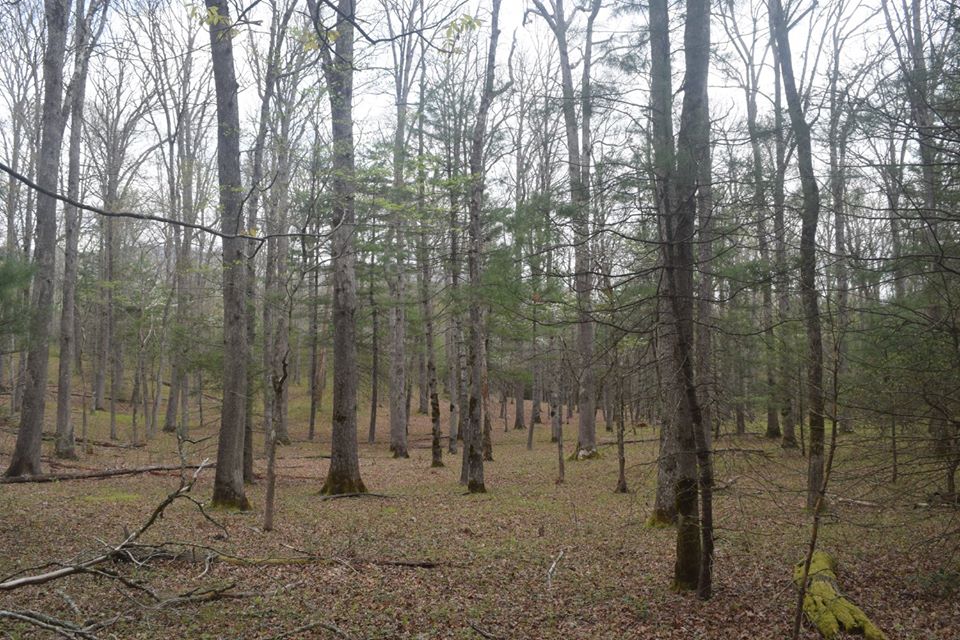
(26, 454)
(578, 159)
(519, 419)
(661, 124)
(810, 216)
(375, 361)
(344, 473)
(694, 477)
(228, 489)
(785, 365)
(65, 445)
(315, 347)
(426, 305)
(472, 441)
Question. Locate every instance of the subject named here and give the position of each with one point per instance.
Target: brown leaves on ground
(492, 552)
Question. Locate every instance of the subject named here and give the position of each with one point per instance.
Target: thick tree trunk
(694, 466)
(344, 472)
(228, 489)
(26, 454)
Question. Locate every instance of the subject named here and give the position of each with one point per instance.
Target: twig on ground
(311, 626)
(484, 633)
(553, 568)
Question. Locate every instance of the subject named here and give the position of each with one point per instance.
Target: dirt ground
(489, 556)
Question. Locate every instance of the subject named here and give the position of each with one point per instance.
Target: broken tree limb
(51, 437)
(62, 628)
(826, 607)
(17, 581)
(93, 475)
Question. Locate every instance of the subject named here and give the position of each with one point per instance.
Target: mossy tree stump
(828, 609)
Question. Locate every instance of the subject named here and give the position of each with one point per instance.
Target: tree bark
(578, 159)
(26, 454)
(810, 216)
(83, 43)
(473, 440)
(785, 364)
(344, 473)
(228, 488)
(661, 125)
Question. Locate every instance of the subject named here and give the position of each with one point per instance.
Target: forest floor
(490, 555)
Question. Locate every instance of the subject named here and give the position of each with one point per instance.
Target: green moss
(824, 605)
(658, 520)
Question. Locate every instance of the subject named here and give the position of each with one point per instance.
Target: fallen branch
(96, 475)
(858, 503)
(118, 551)
(311, 626)
(51, 437)
(613, 443)
(49, 623)
(828, 609)
(207, 595)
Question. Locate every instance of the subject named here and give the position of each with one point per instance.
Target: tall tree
(26, 454)
(344, 473)
(679, 198)
(810, 217)
(663, 157)
(86, 33)
(402, 23)
(579, 149)
(472, 440)
(228, 489)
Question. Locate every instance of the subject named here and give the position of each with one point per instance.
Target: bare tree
(472, 440)
(344, 473)
(810, 217)
(579, 152)
(26, 454)
(86, 34)
(228, 489)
